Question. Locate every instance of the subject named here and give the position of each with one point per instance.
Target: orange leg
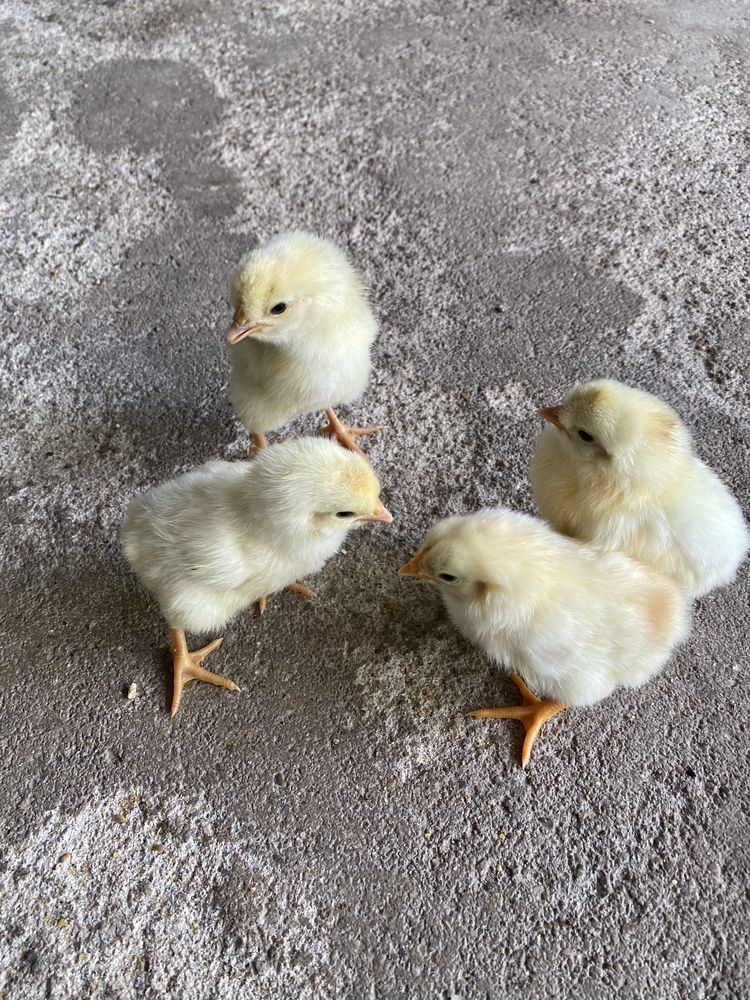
(187, 666)
(533, 712)
(258, 443)
(296, 588)
(345, 435)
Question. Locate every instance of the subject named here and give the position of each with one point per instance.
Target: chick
(300, 336)
(617, 467)
(570, 621)
(213, 541)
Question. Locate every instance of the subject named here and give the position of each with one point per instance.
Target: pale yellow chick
(617, 467)
(300, 337)
(570, 621)
(211, 542)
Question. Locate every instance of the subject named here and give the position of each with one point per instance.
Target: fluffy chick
(300, 336)
(569, 620)
(617, 467)
(213, 541)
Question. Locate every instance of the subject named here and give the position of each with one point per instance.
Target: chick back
(610, 622)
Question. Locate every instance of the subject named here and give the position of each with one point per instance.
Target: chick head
(611, 427)
(484, 559)
(287, 285)
(314, 487)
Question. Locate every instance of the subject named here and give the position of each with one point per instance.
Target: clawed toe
(533, 712)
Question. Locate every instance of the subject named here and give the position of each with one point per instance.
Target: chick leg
(296, 588)
(533, 712)
(258, 443)
(187, 666)
(345, 435)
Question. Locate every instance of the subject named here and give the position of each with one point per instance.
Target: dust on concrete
(535, 193)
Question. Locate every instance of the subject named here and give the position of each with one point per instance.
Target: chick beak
(414, 568)
(552, 413)
(379, 514)
(238, 331)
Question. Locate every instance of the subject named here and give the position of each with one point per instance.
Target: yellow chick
(300, 336)
(213, 541)
(617, 467)
(570, 621)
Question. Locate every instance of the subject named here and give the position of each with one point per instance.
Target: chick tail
(345, 435)
(187, 666)
(533, 712)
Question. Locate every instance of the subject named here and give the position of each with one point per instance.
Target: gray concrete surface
(537, 192)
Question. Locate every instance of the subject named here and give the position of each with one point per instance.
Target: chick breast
(271, 384)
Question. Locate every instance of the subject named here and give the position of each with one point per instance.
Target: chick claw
(533, 713)
(296, 588)
(345, 435)
(187, 667)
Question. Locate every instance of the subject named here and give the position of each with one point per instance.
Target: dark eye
(585, 436)
(279, 308)
(448, 577)
(344, 513)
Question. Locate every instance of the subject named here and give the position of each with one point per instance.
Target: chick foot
(533, 713)
(187, 666)
(296, 588)
(345, 435)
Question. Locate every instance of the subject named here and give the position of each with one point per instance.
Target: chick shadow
(133, 443)
(363, 614)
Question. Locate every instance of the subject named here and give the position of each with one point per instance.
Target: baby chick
(617, 467)
(213, 541)
(571, 621)
(300, 336)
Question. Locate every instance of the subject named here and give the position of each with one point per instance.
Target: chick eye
(344, 513)
(448, 577)
(279, 308)
(585, 436)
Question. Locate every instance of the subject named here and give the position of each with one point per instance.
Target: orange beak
(379, 514)
(238, 331)
(414, 568)
(552, 413)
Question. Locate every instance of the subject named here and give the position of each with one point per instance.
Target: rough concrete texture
(537, 192)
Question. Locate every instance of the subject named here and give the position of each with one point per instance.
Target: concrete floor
(538, 192)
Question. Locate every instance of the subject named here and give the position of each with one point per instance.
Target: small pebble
(64, 858)
(132, 691)
(119, 818)
(156, 848)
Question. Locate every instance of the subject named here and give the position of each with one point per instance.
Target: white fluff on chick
(617, 467)
(301, 333)
(573, 622)
(210, 543)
